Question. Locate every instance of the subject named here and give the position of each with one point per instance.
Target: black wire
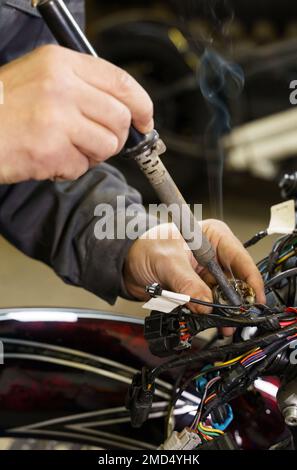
(279, 277)
(175, 393)
(267, 362)
(210, 304)
(255, 239)
(277, 249)
(254, 372)
(222, 353)
(274, 254)
(235, 321)
(171, 401)
(190, 379)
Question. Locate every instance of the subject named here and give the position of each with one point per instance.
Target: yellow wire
(236, 358)
(284, 258)
(206, 429)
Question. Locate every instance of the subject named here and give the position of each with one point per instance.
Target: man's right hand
(63, 112)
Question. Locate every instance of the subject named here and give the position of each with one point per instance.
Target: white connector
(185, 440)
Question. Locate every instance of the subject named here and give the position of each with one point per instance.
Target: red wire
(287, 323)
(291, 310)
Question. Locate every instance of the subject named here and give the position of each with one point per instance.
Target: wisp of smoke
(219, 81)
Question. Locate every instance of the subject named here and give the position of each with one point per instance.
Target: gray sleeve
(56, 223)
(22, 29)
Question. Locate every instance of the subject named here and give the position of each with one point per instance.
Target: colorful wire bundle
(252, 358)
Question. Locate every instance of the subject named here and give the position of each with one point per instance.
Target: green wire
(208, 433)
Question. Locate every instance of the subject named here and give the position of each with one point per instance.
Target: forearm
(55, 223)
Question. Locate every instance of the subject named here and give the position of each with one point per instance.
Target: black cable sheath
(222, 353)
(279, 277)
(257, 370)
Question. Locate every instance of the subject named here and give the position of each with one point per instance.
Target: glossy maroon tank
(66, 373)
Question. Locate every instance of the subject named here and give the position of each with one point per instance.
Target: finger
(114, 81)
(228, 331)
(247, 272)
(74, 165)
(95, 141)
(180, 277)
(232, 255)
(207, 277)
(245, 269)
(256, 282)
(105, 110)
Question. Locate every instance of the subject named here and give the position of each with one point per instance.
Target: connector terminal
(169, 333)
(185, 440)
(154, 289)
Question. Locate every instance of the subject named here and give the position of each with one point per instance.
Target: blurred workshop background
(219, 74)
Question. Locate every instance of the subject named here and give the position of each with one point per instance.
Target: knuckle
(51, 150)
(55, 83)
(124, 81)
(50, 58)
(187, 285)
(124, 117)
(219, 225)
(70, 167)
(80, 168)
(111, 145)
(54, 77)
(50, 52)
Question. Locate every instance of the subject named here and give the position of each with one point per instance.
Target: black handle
(68, 34)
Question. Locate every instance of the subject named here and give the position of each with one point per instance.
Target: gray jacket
(54, 222)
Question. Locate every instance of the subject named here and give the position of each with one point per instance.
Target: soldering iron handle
(68, 34)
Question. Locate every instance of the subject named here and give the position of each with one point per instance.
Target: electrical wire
(220, 306)
(279, 277)
(223, 352)
(272, 351)
(210, 371)
(200, 407)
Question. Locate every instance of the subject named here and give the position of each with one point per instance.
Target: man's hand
(170, 263)
(64, 111)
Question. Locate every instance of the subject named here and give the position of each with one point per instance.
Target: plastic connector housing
(185, 440)
(163, 332)
(139, 399)
(234, 379)
(225, 442)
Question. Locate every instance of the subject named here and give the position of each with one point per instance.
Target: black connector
(256, 238)
(220, 414)
(225, 442)
(169, 333)
(154, 289)
(139, 398)
(235, 379)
